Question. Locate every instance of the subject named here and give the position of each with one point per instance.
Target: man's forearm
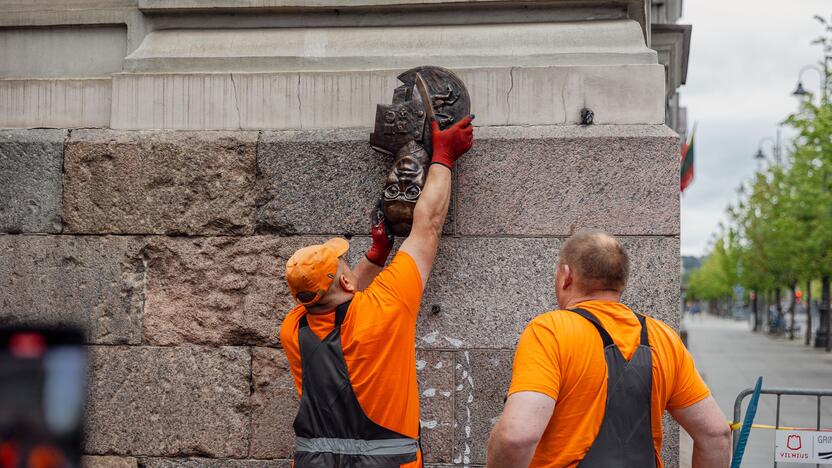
(428, 218)
(712, 453)
(432, 207)
(502, 455)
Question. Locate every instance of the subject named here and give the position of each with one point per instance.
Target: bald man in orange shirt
(591, 381)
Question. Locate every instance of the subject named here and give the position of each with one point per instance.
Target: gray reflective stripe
(357, 446)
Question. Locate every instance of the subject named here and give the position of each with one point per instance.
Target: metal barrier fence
(779, 392)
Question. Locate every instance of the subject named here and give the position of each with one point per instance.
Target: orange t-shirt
(378, 338)
(561, 354)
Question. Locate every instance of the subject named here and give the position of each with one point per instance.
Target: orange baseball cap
(310, 270)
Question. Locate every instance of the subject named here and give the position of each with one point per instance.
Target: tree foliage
(779, 232)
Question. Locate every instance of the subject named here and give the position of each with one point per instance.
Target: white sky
(744, 60)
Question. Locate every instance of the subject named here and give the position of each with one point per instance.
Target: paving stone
(31, 164)
(551, 180)
(482, 381)
(171, 401)
(212, 463)
(274, 405)
(160, 182)
(435, 372)
(95, 283)
(222, 290)
(91, 461)
(319, 182)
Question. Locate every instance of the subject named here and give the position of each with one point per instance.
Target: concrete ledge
(333, 77)
(69, 51)
(324, 100)
(585, 43)
(55, 102)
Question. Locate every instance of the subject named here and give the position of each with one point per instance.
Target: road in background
(730, 358)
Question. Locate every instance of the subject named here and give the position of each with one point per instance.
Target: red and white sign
(803, 446)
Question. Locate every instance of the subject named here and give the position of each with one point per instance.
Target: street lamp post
(775, 146)
(801, 92)
(823, 334)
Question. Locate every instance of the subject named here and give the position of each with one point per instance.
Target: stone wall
(169, 248)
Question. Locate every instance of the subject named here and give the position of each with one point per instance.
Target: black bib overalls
(625, 439)
(331, 429)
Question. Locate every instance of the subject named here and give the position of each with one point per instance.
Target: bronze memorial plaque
(403, 129)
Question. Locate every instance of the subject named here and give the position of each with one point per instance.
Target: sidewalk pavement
(730, 358)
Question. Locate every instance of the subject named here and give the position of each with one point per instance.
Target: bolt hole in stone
(587, 116)
(435, 309)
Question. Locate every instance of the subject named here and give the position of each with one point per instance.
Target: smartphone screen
(42, 397)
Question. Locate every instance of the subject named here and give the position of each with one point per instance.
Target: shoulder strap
(607, 339)
(643, 321)
(340, 315)
(341, 312)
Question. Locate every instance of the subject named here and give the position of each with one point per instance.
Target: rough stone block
(550, 180)
(177, 401)
(213, 463)
(274, 404)
(482, 381)
(435, 372)
(92, 282)
(655, 284)
(223, 290)
(670, 442)
(31, 164)
(319, 182)
(160, 182)
(487, 289)
(91, 461)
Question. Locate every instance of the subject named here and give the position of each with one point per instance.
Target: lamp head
(800, 91)
(759, 156)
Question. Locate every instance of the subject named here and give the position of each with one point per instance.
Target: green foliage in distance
(779, 232)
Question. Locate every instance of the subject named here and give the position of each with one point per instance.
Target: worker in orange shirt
(591, 381)
(351, 341)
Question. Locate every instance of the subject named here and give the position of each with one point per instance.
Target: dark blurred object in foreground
(42, 392)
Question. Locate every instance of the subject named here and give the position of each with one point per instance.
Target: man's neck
(603, 295)
(329, 306)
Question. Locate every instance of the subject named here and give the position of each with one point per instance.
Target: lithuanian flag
(686, 171)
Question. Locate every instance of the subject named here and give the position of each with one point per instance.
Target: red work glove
(382, 237)
(453, 142)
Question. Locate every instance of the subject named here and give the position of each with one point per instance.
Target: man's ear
(346, 284)
(565, 276)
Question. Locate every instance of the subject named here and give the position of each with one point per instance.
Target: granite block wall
(169, 249)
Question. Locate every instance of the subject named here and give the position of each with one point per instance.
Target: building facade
(161, 159)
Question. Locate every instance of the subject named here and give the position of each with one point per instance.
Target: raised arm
(432, 207)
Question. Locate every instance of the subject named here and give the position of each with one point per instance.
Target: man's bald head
(598, 261)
